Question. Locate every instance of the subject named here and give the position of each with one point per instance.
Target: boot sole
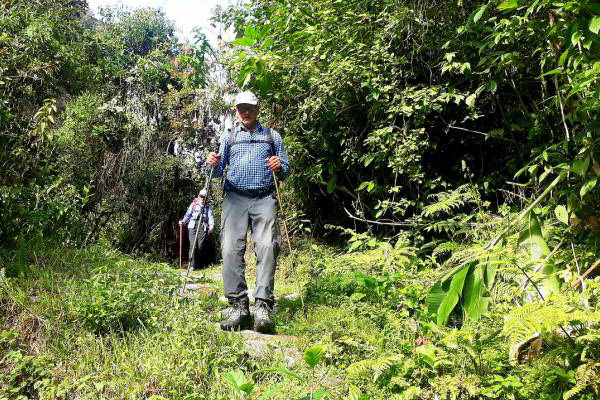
(245, 324)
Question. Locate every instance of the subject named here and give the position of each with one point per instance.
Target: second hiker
(253, 153)
(191, 218)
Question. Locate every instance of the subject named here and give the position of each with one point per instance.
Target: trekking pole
(287, 235)
(180, 245)
(200, 221)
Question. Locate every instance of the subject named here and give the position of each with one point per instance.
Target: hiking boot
(262, 320)
(226, 312)
(239, 316)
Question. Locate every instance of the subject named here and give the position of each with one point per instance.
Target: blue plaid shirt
(248, 161)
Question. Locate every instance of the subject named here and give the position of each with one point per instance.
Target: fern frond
(449, 201)
(587, 375)
(546, 316)
(374, 368)
(448, 226)
(447, 247)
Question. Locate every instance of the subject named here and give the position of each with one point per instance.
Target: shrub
(122, 297)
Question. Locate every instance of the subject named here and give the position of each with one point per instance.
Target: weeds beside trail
(94, 324)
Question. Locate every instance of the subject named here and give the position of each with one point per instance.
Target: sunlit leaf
(595, 24)
(562, 214)
(479, 13)
(474, 303)
(243, 41)
(508, 5)
(533, 240)
(451, 299)
(581, 166)
(314, 354)
(587, 186)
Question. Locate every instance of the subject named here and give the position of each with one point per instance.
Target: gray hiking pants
(260, 215)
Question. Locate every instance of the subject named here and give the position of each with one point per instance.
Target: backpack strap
(233, 139)
(271, 141)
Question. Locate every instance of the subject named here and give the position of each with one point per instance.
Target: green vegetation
(443, 203)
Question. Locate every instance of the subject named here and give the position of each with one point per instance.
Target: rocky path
(208, 284)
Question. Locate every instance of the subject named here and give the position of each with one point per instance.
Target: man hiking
(253, 153)
(191, 218)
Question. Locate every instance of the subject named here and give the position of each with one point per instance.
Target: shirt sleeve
(282, 154)
(211, 218)
(224, 152)
(188, 214)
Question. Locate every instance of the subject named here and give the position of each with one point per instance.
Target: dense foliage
(388, 102)
(91, 111)
(448, 149)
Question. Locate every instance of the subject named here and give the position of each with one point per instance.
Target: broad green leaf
(250, 31)
(438, 292)
(319, 394)
(575, 38)
(520, 172)
(479, 13)
(581, 166)
(563, 57)
(550, 284)
(331, 185)
(595, 24)
(243, 41)
(508, 5)
(435, 297)
(247, 79)
(363, 185)
(427, 353)
(587, 186)
(271, 392)
(553, 72)
(236, 378)
(562, 214)
(247, 387)
(473, 301)
(490, 271)
(471, 100)
(453, 295)
(314, 354)
(533, 240)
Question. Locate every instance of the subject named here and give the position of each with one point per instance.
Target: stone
(200, 289)
(260, 345)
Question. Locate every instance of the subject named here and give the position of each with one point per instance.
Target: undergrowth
(95, 324)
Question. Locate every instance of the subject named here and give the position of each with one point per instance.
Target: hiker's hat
(246, 98)
(202, 193)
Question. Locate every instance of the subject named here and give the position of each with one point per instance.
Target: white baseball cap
(246, 98)
(202, 193)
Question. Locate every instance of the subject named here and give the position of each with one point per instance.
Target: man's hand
(274, 163)
(210, 231)
(180, 222)
(213, 159)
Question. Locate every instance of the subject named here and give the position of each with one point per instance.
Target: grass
(95, 324)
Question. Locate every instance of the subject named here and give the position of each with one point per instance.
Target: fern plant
(587, 376)
(450, 201)
(546, 317)
(375, 369)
